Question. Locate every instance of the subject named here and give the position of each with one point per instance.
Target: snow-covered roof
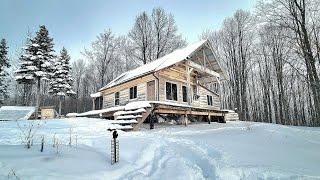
(161, 63)
(94, 95)
(16, 112)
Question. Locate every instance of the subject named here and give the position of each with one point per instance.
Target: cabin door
(151, 91)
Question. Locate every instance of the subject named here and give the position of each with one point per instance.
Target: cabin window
(133, 92)
(171, 91)
(209, 99)
(98, 103)
(195, 92)
(116, 99)
(215, 88)
(184, 94)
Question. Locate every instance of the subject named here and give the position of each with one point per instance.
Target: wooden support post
(185, 119)
(188, 74)
(209, 119)
(151, 120)
(93, 105)
(219, 84)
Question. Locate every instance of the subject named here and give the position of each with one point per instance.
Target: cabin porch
(138, 115)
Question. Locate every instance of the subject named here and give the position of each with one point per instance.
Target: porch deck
(162, 107)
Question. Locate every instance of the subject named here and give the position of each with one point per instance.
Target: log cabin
(183, 83)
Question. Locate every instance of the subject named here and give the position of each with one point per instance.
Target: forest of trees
(270, 58)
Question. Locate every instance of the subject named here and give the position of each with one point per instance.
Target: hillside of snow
(235, 150)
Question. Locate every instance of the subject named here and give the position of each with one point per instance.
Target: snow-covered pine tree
(61, 80)
(37, 60)
(25, 73)
(4, 63)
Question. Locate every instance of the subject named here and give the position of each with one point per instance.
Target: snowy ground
(235, 150)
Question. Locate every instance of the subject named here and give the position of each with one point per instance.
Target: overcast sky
(75, 23)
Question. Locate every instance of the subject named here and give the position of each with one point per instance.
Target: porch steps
(142, 119)
(133, 117)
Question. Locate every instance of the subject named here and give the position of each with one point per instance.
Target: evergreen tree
(25, 73)
(4, 63)
(36, 62)
(61, 81)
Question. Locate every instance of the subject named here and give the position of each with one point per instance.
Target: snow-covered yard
(235, 150)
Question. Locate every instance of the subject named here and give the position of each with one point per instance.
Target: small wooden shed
(48, 112)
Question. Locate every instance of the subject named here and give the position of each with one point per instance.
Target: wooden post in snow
(188, 74)
(42, 143)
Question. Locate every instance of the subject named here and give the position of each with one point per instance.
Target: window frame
(117, 99)
(209, 100)
(172, 94)
(195, 91)
(184, 98)
(135, 92)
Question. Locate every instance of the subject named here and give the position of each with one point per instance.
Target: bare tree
(141, 35)
(78, 69)
(101, 53)
(154, 36)
(165, 33)
(297, 16)
(236, 49)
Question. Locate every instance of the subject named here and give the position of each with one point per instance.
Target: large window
(171, 91)
(133, 92)
(184, 94)
(116, 99)
(209, 99)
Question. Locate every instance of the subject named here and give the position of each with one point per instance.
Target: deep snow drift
(235, 150)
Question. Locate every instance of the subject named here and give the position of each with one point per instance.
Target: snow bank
(72, 114)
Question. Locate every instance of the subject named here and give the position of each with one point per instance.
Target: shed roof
(161, 63)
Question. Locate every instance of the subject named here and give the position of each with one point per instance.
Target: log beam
(202, 68)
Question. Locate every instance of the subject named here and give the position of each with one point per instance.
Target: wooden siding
(108, 100)
(177, 75)
(174, 74)
(123, 89)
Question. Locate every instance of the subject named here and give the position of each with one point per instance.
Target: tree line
(271, 62)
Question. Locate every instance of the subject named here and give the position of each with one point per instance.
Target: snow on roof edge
(95, 95)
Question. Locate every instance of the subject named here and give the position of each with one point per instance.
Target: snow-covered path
(236, 150)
